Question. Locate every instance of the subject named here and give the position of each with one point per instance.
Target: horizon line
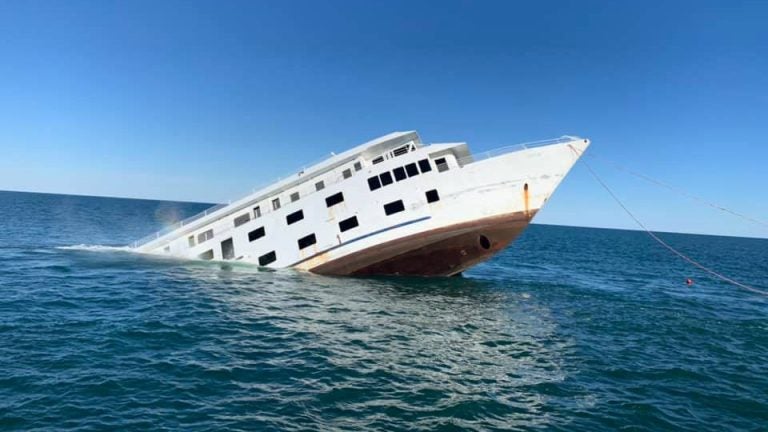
(532, 223)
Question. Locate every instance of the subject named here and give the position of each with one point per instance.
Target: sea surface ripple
(569, 329)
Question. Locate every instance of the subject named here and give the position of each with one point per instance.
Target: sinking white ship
(391, 206)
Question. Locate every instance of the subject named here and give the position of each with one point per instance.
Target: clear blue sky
(201, 101)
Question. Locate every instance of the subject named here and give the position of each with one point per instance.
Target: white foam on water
(96, 248)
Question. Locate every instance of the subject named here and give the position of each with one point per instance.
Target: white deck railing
(475, 157)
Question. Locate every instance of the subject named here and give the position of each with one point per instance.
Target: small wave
(96, 248)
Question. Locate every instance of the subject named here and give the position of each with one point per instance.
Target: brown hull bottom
(440, 252)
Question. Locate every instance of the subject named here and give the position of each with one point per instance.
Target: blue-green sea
(569, 329)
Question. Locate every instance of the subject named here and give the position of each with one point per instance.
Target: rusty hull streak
(439, 252)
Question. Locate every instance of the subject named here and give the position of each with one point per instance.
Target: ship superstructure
(390, 206)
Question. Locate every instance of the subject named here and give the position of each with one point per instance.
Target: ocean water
(569, 329)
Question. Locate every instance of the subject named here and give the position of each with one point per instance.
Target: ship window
(411, 170)
(400, 151)
(256, 234)
(433, 196)
(394, 207)
(207, 255)
(424, 166)
(399, 173)
(227, 249)
(294, 217)
(358, 166)
(442, 164)
(307, 241)
(379, 159)
(203, 236)
(320, 185)
(243, 218)
(267, 258)
(374, 183)
(294, 197)
(167, 249)
(348, 224)
(275, 203)
(334, 199)
(347, 173)
(256, 212)
(386, 178)
(191, 241)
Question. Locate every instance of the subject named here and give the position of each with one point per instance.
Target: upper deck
(331, 170)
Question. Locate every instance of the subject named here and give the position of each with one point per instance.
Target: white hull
(477, 207)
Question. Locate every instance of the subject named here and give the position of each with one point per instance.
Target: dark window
(347, 173)
(442, 164)
(294, 217)
(203, 236)
(432, 196)
(374, 183)
(256, 234)
(386, 178)
(227, 249)
(275, 203)
(400, 151)
(411, 170)
(334, 199)
(394, 207)
(207, 255)
(256, 212)
(424, 166)
(307, 241)
(267, 258)
(348, 224)
(191, 241)
(320, 185)
(294, 197)
(358, 166)
(243, 218)
(400, 174)
(379, 159)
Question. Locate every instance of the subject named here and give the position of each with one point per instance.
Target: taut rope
(665, 244)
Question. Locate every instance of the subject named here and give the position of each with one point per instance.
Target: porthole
(484, 242)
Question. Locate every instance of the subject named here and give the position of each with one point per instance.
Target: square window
(207, 255)
(358, 166)
(374, 183)
(275, 203)
(442, 164)
(394, 207)
(227, 249)
(256, 234)
(307, 241)
(267, 258)
(400, 174)
(347, 173)
(243, 218)
(191, 240)
(203, 236)
(320, 185)
(379, 159)
(348, 224)
(386, 178)
(425, 166)
(334, 199)
(294, 197)
(411, 170)
(256, 212)
(294, 217)
(433, 196)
